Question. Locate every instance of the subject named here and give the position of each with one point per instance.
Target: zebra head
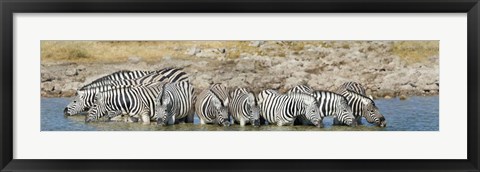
(221, 108)
(95, 112)
(345, 114)
(78, 105)
(312, 111)
(163, 108)
(372, 114)
(254, 110)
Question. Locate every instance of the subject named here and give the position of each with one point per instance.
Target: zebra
(284, 109)
(300, 89)
(364, 106)
(135, 101)
(175, 103)
(116, 76)
(353, 86)
(170, 74)
(244, 107)
(84, 97)
(212, 105)
(330, 104)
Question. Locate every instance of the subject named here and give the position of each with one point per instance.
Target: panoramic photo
(256, 85)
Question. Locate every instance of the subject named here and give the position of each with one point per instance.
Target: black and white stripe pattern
(330, 104)
(364, 106)
(300, 89)
(140, 77)
(284, 109)
(244, 107)
(352, 86)
(212, 105)
(85, 96)
(117, 76)
(135, 101)
(84, 99)
(333, 104)
(175, 103)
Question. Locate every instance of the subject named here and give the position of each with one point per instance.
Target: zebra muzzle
(256, 123)
(65, 112)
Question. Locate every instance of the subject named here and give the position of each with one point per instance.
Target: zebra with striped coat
(330, 104)
(117, 76)
(244, 107)
(135, 101)
(352, 86)
(175, 103)
(364, 106)
(212, 105)
(139, 77)
(284, 109)
(84, 98)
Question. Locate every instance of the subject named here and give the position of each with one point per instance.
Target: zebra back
(140, 77)
(300, 89)
(117, 76)
(352, 86)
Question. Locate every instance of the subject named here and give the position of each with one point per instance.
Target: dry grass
(415, 51)
(150, 51)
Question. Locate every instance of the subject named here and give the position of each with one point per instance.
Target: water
(413, 114)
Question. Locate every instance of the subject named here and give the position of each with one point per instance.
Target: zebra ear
(370, 96)
(225, 103)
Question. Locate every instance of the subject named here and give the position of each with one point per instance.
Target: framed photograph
(239, 86)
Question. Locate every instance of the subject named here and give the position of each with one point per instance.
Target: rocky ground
(324, 66)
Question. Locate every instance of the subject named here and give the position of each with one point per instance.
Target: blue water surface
(414, 114)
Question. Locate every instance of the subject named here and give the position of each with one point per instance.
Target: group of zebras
(167, 97)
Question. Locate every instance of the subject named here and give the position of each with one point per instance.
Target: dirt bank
(275, 64)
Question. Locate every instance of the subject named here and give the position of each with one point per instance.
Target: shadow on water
(413, 114)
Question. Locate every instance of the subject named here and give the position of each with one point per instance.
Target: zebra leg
(242, 122)
(171, 120)
(145, 116)
(202, 121)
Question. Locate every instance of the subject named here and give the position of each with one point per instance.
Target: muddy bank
(325, 67)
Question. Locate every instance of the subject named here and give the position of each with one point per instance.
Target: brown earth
(386, 68)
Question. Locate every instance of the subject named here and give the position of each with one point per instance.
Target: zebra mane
(360, 95)
(327, 91)
(104, 78)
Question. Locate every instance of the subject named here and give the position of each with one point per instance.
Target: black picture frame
(9, 7)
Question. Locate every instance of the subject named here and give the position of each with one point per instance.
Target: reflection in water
(413, 114)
